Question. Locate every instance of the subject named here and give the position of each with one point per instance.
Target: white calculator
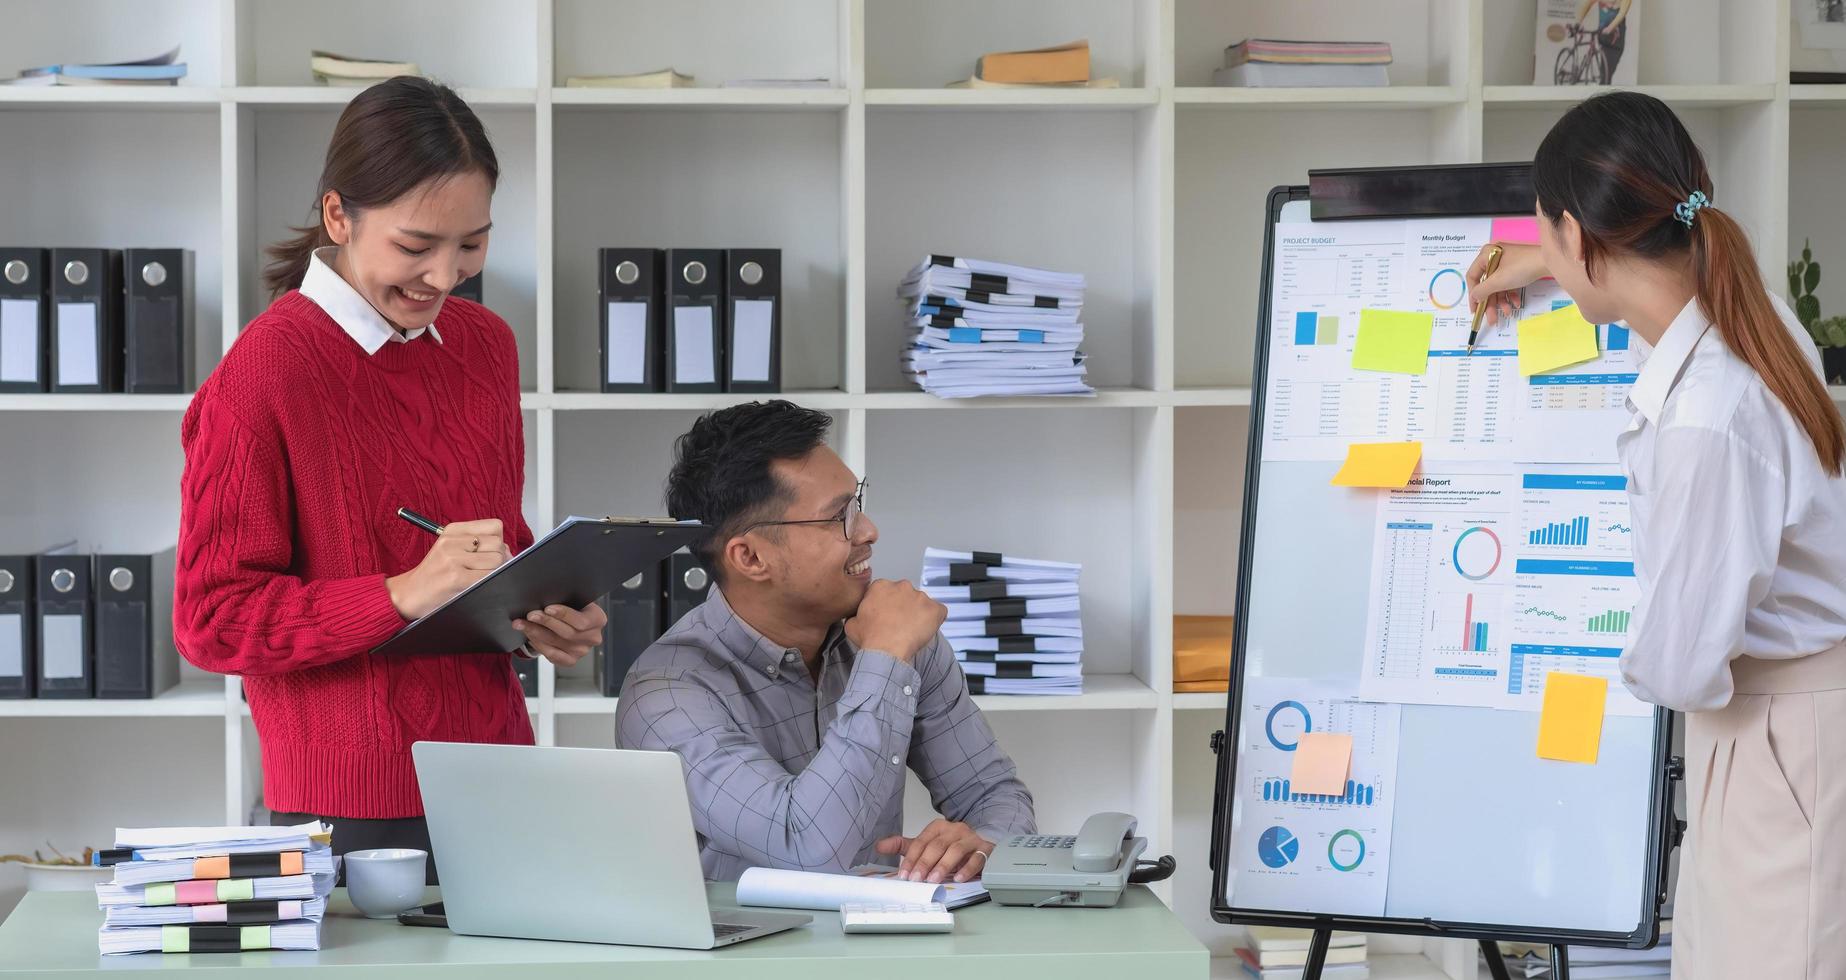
(896, 917)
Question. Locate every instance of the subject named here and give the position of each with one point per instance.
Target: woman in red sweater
(361, 389)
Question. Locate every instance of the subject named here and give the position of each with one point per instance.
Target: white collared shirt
(1739, 535)
(361, 321)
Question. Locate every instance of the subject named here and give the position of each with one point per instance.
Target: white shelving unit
(1155, 190)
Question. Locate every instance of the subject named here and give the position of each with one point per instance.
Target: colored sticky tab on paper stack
(1379, 464)
(1570, 726)
(1557, 339)
(1323, 761)
(1393, 340)
(1522, 231)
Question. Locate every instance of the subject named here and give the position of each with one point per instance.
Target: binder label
(750, 334)
(692, 350)
(19, 340)
(627, 353)
(61, 639)
(12, 651)
(77, 354)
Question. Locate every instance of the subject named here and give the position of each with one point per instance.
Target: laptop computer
(584, 845)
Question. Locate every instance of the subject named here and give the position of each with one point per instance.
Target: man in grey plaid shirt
(800, 691)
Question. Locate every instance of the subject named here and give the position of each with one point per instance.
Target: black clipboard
(581, 560)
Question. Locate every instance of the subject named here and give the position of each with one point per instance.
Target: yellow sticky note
(1379, 464)
(1570, 726)
(1393, 340)
(1557, 339)
(1323, 760)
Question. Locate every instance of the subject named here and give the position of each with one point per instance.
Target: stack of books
(1063, 66)
(215, 889)
(1264, 63)
(162, 69)
(987, 328)
(662, 78)
(1014, 623)
(1282, 954)
(339, 69)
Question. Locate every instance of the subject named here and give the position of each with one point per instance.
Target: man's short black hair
(721, 474)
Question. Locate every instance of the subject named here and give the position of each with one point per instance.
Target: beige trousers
(1762, 879)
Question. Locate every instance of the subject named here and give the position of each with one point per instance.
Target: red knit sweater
(300, 448)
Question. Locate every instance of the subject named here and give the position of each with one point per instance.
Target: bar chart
(1612, 621)
(1356, 795)
(1316, 330)
(1572, 533)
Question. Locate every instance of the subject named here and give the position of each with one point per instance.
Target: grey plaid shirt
(786, 770)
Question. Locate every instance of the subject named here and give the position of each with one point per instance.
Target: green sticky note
(160, 894)
(1393, 340)
(175, 939)
(1557, 339)
(254, 937)
(237, 890)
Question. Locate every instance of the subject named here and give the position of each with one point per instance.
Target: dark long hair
(1621, 163)
(391, 138)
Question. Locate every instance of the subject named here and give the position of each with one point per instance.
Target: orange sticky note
(1570, 726)
(1379, 464)
(1323, 761)
(1522, 230)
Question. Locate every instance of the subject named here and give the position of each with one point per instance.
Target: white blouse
(1739, 535)
(362, 322)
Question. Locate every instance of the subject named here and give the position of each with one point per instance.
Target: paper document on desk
(776, 888)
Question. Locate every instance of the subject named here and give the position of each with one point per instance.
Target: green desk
(55, 934)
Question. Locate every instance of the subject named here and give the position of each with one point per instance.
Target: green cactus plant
(1830, 332)
(1803, 279)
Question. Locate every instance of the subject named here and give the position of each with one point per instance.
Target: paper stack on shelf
(663, 78)
(1263, 63)
(1594, 963)
(1014, 623)
(1282, 954)
(215, 889)
(162, 69)
(987, 328)
(340, 70)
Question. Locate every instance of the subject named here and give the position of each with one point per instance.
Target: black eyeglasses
(848, 519)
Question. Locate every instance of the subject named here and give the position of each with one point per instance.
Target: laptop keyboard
(723, 929)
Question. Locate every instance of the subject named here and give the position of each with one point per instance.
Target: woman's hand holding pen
(463, 554)
(1519, 267)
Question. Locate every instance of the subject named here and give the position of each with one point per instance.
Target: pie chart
(1277, 847)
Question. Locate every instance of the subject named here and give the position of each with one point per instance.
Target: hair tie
(1690, 206)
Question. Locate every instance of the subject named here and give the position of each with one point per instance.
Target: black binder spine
(66, 660)
(18, 628)
(627, 276)
(26, 294)
(753, 349)
(634, 612)
(695, 321)
(688, 582)
(135, 656)
(86, 348)
(157, 320)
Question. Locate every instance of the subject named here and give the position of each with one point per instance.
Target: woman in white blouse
(1733, 461)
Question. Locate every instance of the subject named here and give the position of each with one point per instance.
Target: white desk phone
(1089, 870)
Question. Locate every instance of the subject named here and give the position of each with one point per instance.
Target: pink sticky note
(1524, 230)
(1323, 760)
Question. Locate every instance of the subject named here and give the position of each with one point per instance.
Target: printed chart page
(1487, 577)
(1327, 853)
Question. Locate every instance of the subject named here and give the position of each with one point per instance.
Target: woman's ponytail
(390, 139)
(1732, 295)
(1624, 166)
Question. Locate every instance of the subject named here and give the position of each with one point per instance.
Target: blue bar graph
(1574, 533)
(1356, 794)
(1478, 642)
(1618, 337)
(1304, 328)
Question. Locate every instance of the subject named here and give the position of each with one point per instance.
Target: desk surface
(55, 933)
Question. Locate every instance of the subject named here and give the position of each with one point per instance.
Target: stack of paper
(338, 69)
(987, 328)
(162, 69)
(1261, 63)
(215, 889)
(661, 78)
(1013, 623)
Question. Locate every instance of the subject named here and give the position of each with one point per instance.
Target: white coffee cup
(383, 881)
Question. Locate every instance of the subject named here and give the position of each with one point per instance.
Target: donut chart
(1447, 289)
(1476, 553)
(1346, 850)
(1282, 728)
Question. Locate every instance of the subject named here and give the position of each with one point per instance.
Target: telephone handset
(1088, 870)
